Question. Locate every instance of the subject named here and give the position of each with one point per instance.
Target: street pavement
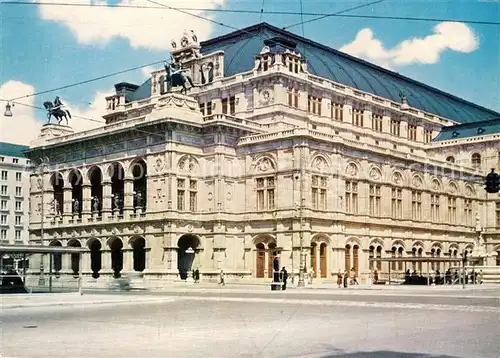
(220, 322)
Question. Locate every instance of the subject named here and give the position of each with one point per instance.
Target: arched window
(450, 159)
(476, 160)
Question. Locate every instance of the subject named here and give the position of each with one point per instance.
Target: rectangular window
(337, 111)
(468, 211)
(395, 127)
(427, 135)
(293, 98)
(416, 205)
(3, 234)
(314, 105)
(377, 122)
(18, 176)
(435, 207)
(452, 210)
(19, 191)
(206, 108)
(18, 235)
(193, 191)
(3, 205)
(375, 200)
(412, 132)
(3, 219)
(3, 190)
(229, 105)
(19, 205)
(293, 64)
(15, 160)
(351, 197)
(357, 117)
(318, 191)
(4, 175)
(18, 219)
(265, 193)
(181, 194)
(397, 203)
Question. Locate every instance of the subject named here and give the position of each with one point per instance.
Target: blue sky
(52, 46)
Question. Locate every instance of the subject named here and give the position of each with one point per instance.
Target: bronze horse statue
(57, 112)
(175, 77)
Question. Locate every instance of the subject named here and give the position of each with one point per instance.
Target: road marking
(127, 301)
(389, 305)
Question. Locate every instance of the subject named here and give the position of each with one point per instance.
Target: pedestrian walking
(346, 278)
(222, 281)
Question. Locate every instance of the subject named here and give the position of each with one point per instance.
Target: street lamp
(301, 282)
(8, 111)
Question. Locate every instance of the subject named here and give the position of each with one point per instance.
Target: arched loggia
(116, 247)
(56, 257)
(138, 245)
(117, 175)
(76, 180)
(75, 257)
(95, 178)
(139, 171)
(57, 183)
(186, 253)
(95, 246)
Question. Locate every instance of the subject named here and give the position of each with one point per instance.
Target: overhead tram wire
(262, 10)
(84, 82)
(292, 13)
(44, 109)
(333, 14)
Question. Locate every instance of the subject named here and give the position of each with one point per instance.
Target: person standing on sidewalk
(339, 278)
(284, 277)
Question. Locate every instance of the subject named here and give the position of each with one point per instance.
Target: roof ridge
(472, 124)
(305, 40)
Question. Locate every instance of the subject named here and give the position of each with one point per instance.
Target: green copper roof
(241, 47)
(469, 130)
(12, 150)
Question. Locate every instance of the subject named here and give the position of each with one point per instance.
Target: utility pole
(41, 278)
(301, 282)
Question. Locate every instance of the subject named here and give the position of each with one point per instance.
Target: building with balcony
(14, 197)
(286, 152)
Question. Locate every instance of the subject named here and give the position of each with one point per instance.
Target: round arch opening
(186, 254)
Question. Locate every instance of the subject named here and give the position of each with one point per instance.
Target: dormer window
(314, 105)
(450, 159)
(480, 130)
(455, 134)
(476, 160)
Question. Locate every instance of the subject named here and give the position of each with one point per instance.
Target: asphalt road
(198, 326)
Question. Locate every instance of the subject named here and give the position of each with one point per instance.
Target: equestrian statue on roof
(57, 110)
(176, 76)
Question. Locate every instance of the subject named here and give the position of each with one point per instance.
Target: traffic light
(492, 182)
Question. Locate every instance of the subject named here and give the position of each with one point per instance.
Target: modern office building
(286, 150)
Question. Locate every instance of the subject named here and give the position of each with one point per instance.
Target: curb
(84, 303)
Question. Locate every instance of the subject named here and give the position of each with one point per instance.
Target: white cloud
(143, 28)
(453, 36)
(26, 122)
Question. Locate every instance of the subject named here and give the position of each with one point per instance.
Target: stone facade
(271, 163)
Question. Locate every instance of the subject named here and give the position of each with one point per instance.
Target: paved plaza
(233, 323)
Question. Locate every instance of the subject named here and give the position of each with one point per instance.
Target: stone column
(67, 204)
(106, 262)
(317, 269)
(86, 202)
(128, 200)
(106, 199)
(128, 260)
(66, 264)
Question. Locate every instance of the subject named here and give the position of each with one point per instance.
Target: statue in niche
(95, 204)
(56, 208)
(76, 206)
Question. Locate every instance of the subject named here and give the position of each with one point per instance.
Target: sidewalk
(11, 301)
